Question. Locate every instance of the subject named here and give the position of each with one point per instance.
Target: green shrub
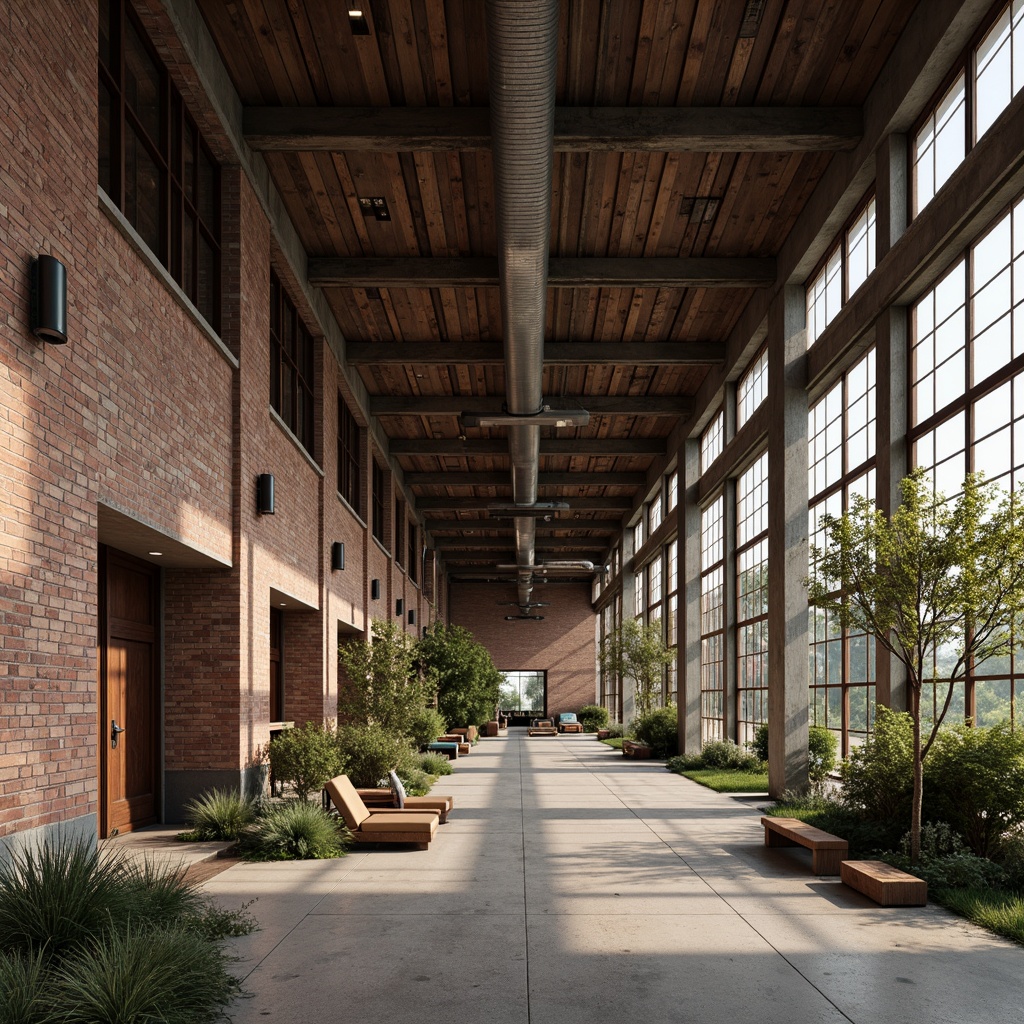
(866, 837)
(426, 726)
(306, 758)
(592, 717)
(822, 745)
(945, 863)
(659, 730)
(435, 764)
(726, 754)
(218, 815)
(878, 777)
(294, 830)
(974, 779)
(415, 781)
(368, 753)
(169, 975)
(759, 744)
(1001, 912)
(25, 996)
(1011, 856)
(684, 763)
(615, 730)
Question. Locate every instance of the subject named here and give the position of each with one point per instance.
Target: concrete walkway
(572, 886)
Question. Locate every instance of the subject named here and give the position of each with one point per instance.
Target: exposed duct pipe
(522, 43)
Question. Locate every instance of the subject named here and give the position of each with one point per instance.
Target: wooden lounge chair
(568, 722)
(384, 800)
(542, 727)
(381, 825)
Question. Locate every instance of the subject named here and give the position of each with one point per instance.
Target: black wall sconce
(337, 556)
(375, 590)
(412, 616)
(265, 494)
(399, 606)
(49, 300)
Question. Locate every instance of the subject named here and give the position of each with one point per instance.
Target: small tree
(637, 650)
(384, 688)
(462, 673)
(940, 586)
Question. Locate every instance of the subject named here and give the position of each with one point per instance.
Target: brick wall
(561, 645)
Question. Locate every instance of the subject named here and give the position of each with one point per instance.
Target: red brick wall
(562, 645)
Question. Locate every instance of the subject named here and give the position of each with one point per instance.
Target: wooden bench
(883, 883)
(827, 851)
(450, 750)
(463, 744)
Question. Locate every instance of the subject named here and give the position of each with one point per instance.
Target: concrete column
(892, 463)
(688, 665)
(628, 609)
(788, 633)
(892, 193)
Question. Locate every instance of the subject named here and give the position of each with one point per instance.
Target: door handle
(115, 731)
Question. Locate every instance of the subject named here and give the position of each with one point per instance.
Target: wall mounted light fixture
(375, 590)
(399, 606)
(49, 300)
(265, 494)
(337, 555)
(412, 616)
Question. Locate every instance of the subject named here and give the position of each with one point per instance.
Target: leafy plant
(218, 815)
(939, 583)
(659, 730)
(821, 750)
(416, 781)
(615, 730)
(306, 757)
(367, 753)
(759, 744)
(25, 997)
(462, 673)
(1000, 911)
(726, 754)
(975, 780)
(636, 650)
(878, 776)
(426, 726)
(294, 830)
(382, 686)
(684, 763)
(865, 836)
(435, 764)
(944, 862)
(592, 717)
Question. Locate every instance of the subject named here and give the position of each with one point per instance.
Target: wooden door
(129, 693)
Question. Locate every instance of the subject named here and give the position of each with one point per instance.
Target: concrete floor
(572, 886)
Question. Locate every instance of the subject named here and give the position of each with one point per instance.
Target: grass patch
(729, 780)
(615, 742)
(997, 910)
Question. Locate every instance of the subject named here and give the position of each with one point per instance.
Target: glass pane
(141, 83)
(142, 191)
(108, 159)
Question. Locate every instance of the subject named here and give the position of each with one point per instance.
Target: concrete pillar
(892, 193)
(688, 665)
(788, 633)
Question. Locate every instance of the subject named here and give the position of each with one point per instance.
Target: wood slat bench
(827, 851)
(883, 883)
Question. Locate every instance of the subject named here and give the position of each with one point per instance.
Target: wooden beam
(577, 129)
(551, 543)
(430, 503)
(596, 405)
(556, 525)
(548, 446)
(556, 353)
(563, 272)
(456, 478)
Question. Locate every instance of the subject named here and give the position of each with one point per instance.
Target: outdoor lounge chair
(568, 722)
(542, 727)
(385, 800)
(380, 825)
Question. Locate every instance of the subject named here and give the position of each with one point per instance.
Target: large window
(712, 441)
(291, 365)
(522, 691)
(399, 549)
(841, 433)
(379, 497)
(998, 67)
(941, 144)
(671, 618)
(350, 462)
(752, 598)
(752, 389)
(712, 621)
(153, 162)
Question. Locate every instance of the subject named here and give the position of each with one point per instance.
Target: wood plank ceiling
(671, 199)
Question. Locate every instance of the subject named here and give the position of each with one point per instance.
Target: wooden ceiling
(671, 197)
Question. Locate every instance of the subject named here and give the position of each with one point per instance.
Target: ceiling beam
(563, 272)
(432, 503)
(458, 478)
(556, 353)
(577, 129)
(548, 446)
(596, 405)
(454, 544)
(501, 526)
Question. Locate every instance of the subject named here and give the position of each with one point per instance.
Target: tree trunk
(915, 814)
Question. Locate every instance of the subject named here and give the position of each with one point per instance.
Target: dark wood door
(129, 693)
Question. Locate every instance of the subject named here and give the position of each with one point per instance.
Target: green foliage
(426, 726)
(759, 744)
(435, 764)
(865, 836)
(592, 717)
(636, 650)
(306, 758)
(999, 911)
(415, 780)
(939, 583)
(462, 672)
(383, 687)
(822, 746)
(218, 815)
(726, 754)
(1011, 856)
(25, 997)
(294, 830)
(143, 974)
(975, 782)
(659, 730)
(368, 753)
(945, 862)
(684, 763)
(878, 776)
(614, 730)
(728, 780)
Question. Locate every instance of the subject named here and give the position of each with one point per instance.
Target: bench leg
(826, 862)
(772, 838)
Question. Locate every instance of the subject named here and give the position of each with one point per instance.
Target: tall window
(654, 515)
(967, 414)
(712, 621)
(825, 296)
(752, 597)
(672, 490)
(522, 691)
(153, 162)
(671, 616)
(712, 441)
(999, 67)
(379, 481)
(350, 462)
(291, 365)
(859, 248)
(752, 389)
(414, 553)
(841, 432)
(399, 549)
(941, 144)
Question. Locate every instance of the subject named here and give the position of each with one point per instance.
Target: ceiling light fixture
(357, 22)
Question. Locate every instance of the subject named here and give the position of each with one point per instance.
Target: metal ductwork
(522, 40)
